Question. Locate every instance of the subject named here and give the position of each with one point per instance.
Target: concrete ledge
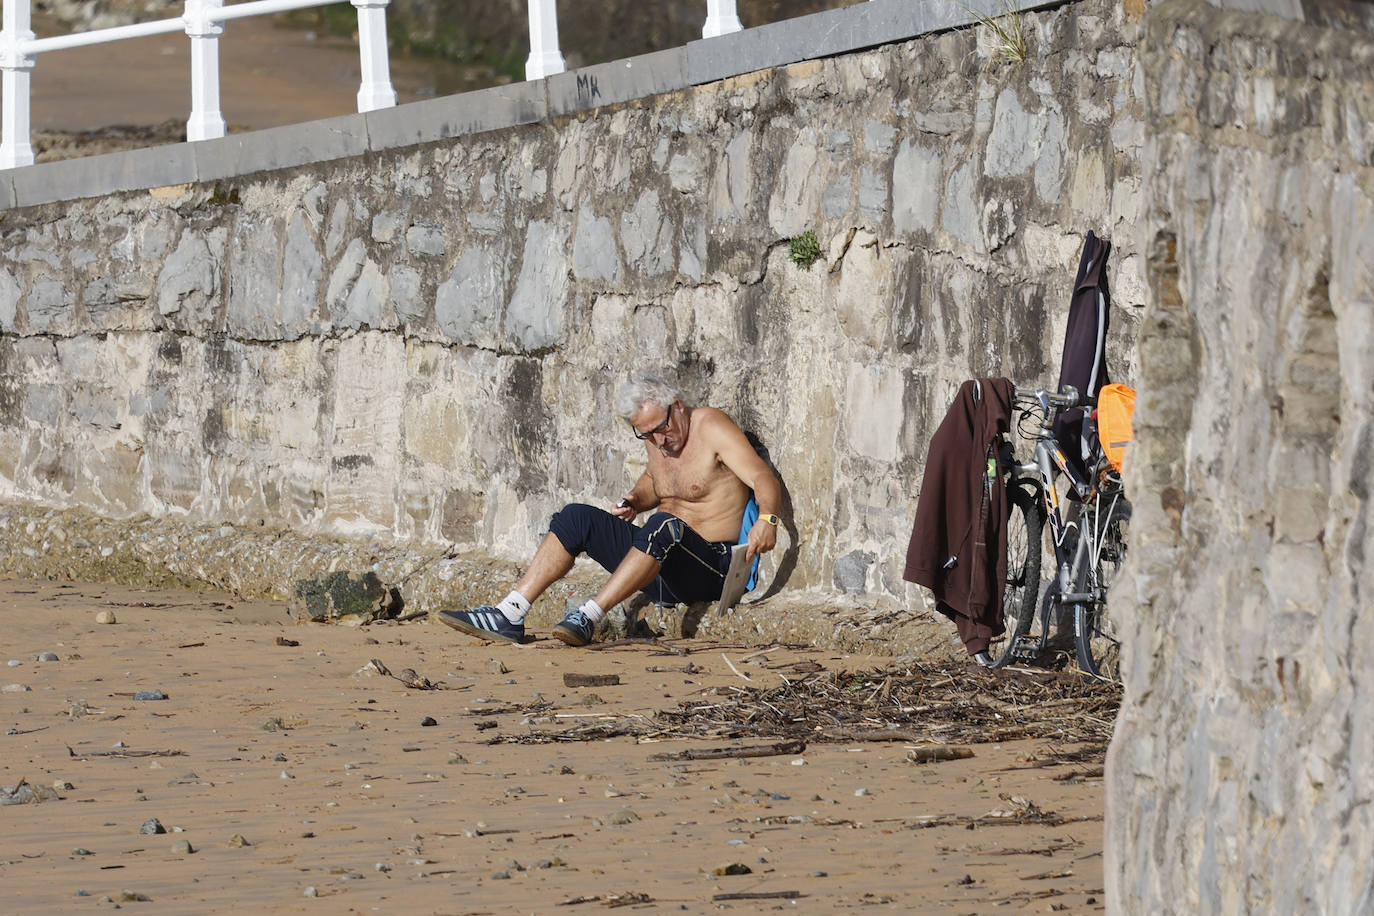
(94, 176)
(833, 32)
(820, 35)
(456, 115)
(280, 147)
(618, 81)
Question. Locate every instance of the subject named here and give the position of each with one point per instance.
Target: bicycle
(1088, 531)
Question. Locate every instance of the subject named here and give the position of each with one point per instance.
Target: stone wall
(1240, 773)
(418, 346)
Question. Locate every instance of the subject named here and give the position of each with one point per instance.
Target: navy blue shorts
(693, 568)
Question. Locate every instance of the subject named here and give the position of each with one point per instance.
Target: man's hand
(623, 510)
(763, 537)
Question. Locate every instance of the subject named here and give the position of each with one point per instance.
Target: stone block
(863, 299)
(10, 293)
(357, 290)
(596, 255)
(426, 240)
(851, 571)
(467, 305)
(431, 429)
(456, 115)
(917, 179)
(617, 81)
(279, 148)
(872, 395)
(301, 270)
(190, 272)
(1014, 140)
(253, 297)
(534, 318)
(337, 595)
(406, 297)
(797, 188)
(647, 235)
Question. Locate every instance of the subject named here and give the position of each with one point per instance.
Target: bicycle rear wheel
(1021, 591)
(1095, 634)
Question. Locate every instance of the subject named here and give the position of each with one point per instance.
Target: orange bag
(1115, 407)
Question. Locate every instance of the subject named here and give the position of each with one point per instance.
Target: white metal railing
(545, 59)
(202, 22)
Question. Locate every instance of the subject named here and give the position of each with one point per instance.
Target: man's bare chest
(687, 477)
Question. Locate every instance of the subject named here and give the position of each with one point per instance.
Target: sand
(325, 769)
(269, 76)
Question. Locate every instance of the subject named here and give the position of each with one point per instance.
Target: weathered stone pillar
(1240, 776)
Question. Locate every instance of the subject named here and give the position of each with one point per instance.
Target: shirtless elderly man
(701, 470)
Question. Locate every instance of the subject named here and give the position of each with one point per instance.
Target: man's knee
(660, 534)
(572, 525)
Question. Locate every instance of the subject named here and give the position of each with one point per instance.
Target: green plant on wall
(1008, 29)
(804, 249)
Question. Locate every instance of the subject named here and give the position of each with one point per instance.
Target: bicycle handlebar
(1066, 399)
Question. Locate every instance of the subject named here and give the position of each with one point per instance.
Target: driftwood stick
(759, 895)
(933, 754)
(734, 669)
(717, 753)
(591, 680)
(689, 668)
(73, 753)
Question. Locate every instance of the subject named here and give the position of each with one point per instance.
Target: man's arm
(641, 498)
(739, 456)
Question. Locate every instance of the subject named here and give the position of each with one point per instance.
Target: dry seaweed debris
(944, 703)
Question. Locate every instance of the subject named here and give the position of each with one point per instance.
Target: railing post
(721, 18)
(18, 71)
(206, 121)
(545, 58)
(375, 91)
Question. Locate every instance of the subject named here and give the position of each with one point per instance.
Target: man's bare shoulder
(713, 420)
(713, 423)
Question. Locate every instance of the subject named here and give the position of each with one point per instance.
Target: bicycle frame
(1074, 548)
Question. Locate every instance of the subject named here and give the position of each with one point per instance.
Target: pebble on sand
(48, 657)
(624, 816)
(152, 825)
(105, 617)
(734, 868)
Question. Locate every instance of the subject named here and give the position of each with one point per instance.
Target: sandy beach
(285, 768)
(270, 75)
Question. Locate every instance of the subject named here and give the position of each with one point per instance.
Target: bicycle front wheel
(1095, 634)
(1021, 590)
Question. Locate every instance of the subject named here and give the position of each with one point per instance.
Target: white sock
(514, 606)
(592, 610)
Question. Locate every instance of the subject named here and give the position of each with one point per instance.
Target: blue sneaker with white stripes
(485, 622)
(575, 628)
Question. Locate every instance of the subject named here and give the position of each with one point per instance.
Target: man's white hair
(645, 388)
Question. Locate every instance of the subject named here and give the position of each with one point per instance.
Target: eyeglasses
(657, 430)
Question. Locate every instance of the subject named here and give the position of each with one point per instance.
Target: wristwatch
(771, 519)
